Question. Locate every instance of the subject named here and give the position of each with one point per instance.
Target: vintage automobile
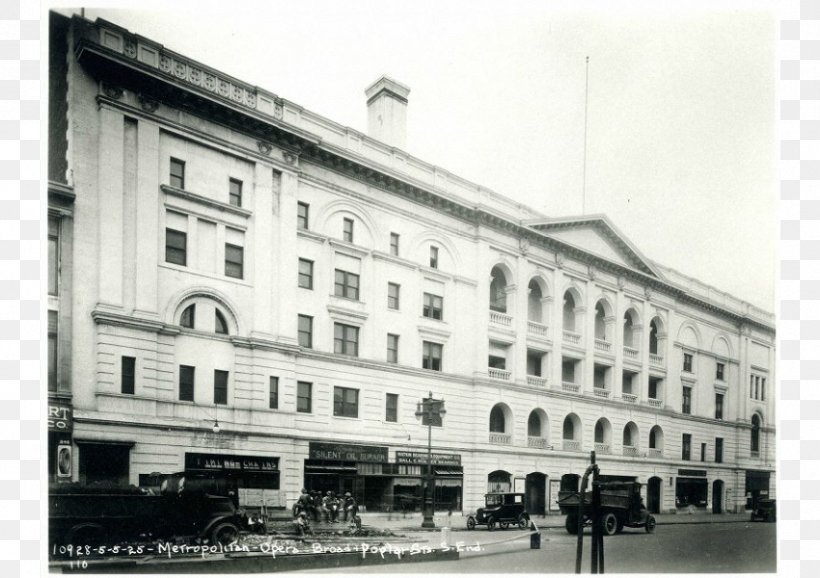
(766, 511)
(103, 514)
(500, 509)
(621, 506)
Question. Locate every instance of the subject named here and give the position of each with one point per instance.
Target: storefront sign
(416, 458)
(692, 473)
(347, 452)
(59, 416)
(555, 487)
(222, 462)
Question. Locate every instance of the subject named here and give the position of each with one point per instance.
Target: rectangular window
(346, 284)
(719, 371)
(220, 387)
(394, 244)
(186, 383)
(762, 389)
(234, 259)
(751, 386)
(433, 306)
(686, 447)
(718, 406)
(52, 351)
(392, 348)
(53, 255)
(348, 230)
(703, 452)
(434, 256)
(345, 339)
(431, 356)
(273, 393)
(345, 402)
(391, 410)
(718, 450)
(235, 192)
(177, 177)
(127, 374)
(176, 247)
(302, 214)
(393, 296)
(687, 362)
(305, 274)
(303, 397)
(306, 331)
(686, 405)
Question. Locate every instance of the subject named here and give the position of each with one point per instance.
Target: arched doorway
(653, 495)
(535, 490)
(499, 481)
(717, 497)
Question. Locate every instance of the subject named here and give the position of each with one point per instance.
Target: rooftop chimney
(387, 111)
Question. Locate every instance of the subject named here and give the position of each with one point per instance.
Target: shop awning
(445, 471)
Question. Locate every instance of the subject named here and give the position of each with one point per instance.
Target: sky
(680, 104)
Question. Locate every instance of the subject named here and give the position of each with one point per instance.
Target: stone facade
(556, 337)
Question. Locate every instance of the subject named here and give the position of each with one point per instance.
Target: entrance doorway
(717, 497)
(653, 495)
(104, 462)
(535, 493)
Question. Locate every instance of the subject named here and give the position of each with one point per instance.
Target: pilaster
(110, 196)
(149, 217)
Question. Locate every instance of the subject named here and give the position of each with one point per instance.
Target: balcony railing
(501, 374)
(655, 403)
(600, 392)
(630, 353)
(537, 442)
(536, 381)
(537, 329)
(655, 359)
(631, 451)
(500, 439)
(629, 398)
(602, 345)
(602, 448)
(654, 453)
(571, 337)
(571, 446)
(573, 387)
(500, 319)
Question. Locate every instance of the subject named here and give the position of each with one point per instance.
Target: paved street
(673, 548)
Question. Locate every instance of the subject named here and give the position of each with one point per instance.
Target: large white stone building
(218, 253)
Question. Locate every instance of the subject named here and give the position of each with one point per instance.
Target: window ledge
(202, 200)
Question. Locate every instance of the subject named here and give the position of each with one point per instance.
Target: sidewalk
(399, 523)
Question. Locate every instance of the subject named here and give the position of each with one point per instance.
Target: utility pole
(431, 411)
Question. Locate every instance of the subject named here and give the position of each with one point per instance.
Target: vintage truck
(621, 506)
(106, 514)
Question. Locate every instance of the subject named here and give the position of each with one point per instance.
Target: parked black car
(500, 509)
(106, 514)
(766, 511)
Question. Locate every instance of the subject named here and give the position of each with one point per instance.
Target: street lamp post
(431, 411)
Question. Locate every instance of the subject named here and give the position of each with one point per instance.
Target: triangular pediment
(596, 235)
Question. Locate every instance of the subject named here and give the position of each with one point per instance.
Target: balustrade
(501, 374)
(500, 439)
(500, 319)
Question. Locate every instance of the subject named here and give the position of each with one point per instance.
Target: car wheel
(471, 523)
(224, 533)
(523, 521)
(572, 524)
(650, 524)
(491, 523)
(609, 524)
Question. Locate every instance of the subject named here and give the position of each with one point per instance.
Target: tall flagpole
(584, 181)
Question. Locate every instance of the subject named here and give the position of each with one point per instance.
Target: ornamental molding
(147, 103)
(264, 147)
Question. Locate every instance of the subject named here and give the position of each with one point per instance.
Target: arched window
(600, 323)
(755, 433)
(630, 435)
(569, 312)
(534, 309)
(188, 316)
(498, 291)
(653, 337)
(569, 428)
(220, 324)
(627, 437)
(534, 425)
(497, 422)
(599, 432)
(628, 332)
(656, 438)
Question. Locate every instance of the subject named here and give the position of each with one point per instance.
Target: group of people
(326, 508)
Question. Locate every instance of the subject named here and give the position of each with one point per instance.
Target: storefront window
(691, 492)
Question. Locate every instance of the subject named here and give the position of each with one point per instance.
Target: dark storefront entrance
(104, 462)
(653, 495)
(536, 492)
(248, 480)
(691, 489)
(757, 486)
